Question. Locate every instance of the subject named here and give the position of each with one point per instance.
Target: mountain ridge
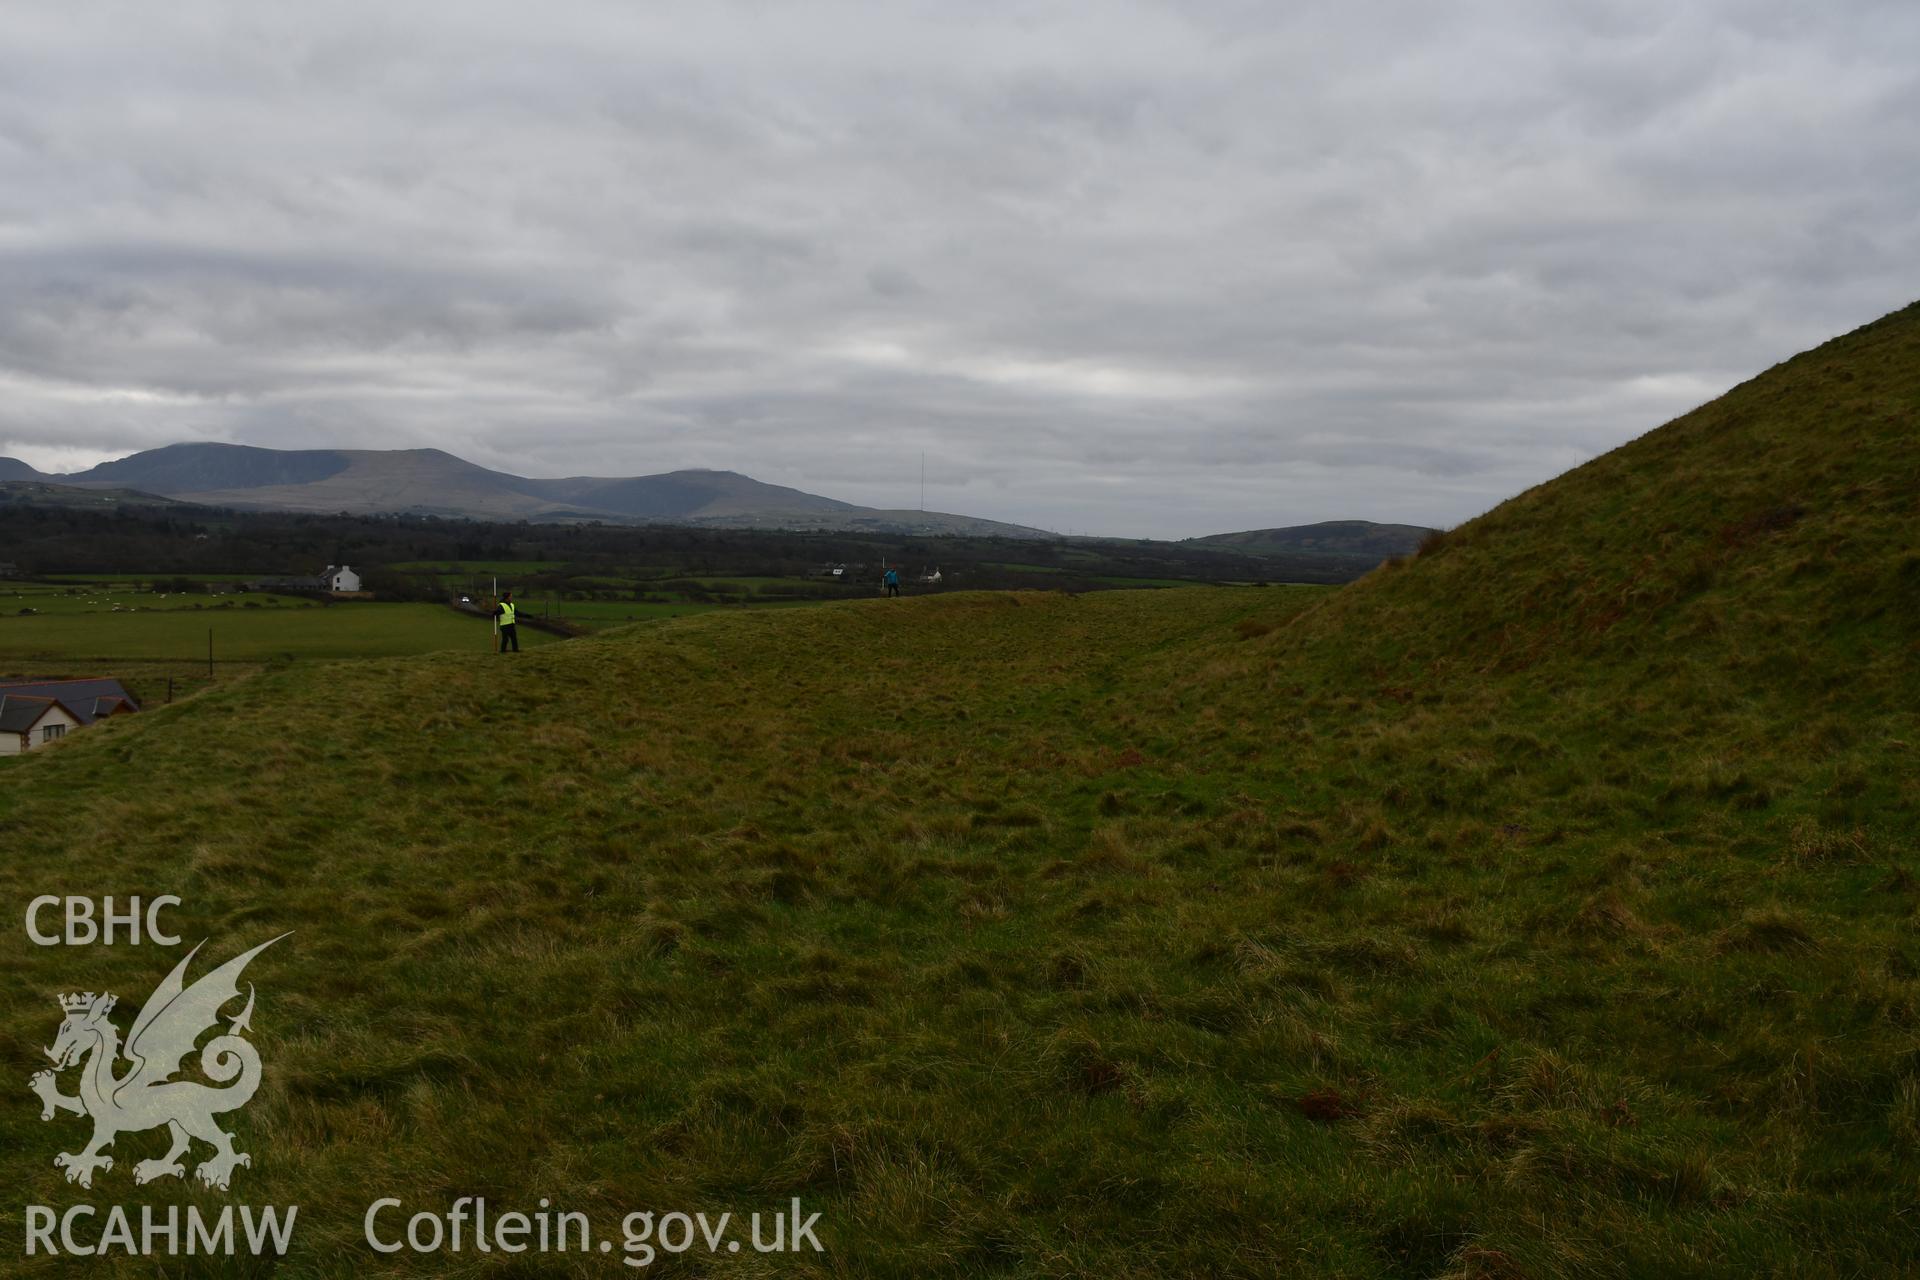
(14, 469)
(435, 482)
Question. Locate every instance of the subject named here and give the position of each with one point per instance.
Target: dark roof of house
(85, 700)
(19, 713)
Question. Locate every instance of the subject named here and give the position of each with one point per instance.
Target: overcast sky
(1115, 268)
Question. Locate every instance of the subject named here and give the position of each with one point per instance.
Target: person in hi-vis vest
(509, 634)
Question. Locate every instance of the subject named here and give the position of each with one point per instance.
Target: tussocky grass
(1542, 906)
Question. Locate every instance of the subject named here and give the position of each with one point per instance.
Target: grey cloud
(892, 282)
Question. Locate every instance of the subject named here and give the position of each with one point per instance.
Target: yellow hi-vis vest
(506, 613)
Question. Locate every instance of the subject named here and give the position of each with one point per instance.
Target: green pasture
(355, 630)
(103, 598)
(141, 580)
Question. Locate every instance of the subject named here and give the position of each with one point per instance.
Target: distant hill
(434, 482)
(1359, 539)
(14, 469)
(685, 495)
(203, 468)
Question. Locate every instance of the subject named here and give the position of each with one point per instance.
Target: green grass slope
(1542, 906)
(1789, 502)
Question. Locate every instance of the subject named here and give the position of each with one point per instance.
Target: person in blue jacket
(891, 581)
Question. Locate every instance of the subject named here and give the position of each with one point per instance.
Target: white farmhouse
(340, 577)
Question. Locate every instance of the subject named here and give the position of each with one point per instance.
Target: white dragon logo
(146, 1096)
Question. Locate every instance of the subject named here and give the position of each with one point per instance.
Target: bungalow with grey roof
(36, 712)
(26, 723)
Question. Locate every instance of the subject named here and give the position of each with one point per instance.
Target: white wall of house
(345, 579)
(36, 737)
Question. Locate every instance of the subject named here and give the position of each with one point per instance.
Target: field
(137, 581)
(21, 599)
(597, 601)
(1547, 904)
(273, 633)
(156, 642)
